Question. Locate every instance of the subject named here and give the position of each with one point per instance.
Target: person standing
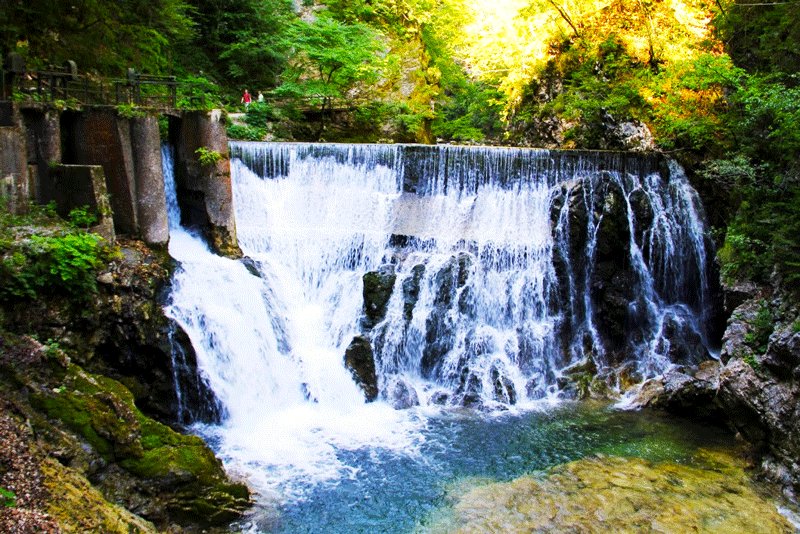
(246, 99)
(260, 97)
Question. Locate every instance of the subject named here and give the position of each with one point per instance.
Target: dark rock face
(439, 328)
(124, 334)
(685, 391)
(378, 287)
(359, 360)
(411, 291)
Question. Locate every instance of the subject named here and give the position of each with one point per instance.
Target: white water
(271, 346)
(475, 317)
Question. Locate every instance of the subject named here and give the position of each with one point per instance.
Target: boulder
(378, 286)
(360, 361)
(401, 395)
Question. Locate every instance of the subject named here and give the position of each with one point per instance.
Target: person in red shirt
(246, 99)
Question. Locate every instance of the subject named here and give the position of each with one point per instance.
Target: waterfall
(498, 268)
(507, 265)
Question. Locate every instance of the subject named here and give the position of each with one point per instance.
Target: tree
(330, 61)
(98, 34)
(239, 43)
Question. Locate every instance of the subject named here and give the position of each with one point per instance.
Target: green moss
(74, 412)
(196, 461)
(102, 412)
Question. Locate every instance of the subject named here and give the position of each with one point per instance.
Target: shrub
(207, 156)
(7, 498)
(82, 217)
(246, 133)
(762, 327)
(62, 261)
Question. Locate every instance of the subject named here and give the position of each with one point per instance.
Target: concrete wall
(204, 191)
(83, 185)
(14, 183)
(151, 202)
(129, 151)
(43, 139)
(112, 164)
(102, 138)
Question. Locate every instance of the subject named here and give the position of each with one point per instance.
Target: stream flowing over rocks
(753, 388)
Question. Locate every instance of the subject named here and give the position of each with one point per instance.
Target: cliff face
(75, 405)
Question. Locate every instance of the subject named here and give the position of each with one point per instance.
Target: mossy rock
(99, 409)
(78, 507)
(102, 412)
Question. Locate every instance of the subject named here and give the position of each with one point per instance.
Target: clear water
(396, 492)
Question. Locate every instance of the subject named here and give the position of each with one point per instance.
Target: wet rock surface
(378, 287)
(360, 361)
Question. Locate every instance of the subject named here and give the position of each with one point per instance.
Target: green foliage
(207, 156)
(56, 260)
(101, 35)
(163, 127)
(82, 217)
(238, 43)
(750, 359)
(767, 115)
(331, 62)
(129, 111)
(259, 113)
(761, 37)
(198, 92)
(246, 133)
(8, 498)
(762, 326)
(471, 113)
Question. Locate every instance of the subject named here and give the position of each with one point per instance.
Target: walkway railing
(65, 84)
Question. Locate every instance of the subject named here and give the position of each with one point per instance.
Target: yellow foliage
(509, 41)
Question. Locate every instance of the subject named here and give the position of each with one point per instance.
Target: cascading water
(498, 269)
(504, 265)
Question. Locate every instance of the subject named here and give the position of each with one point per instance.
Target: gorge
(385, 288)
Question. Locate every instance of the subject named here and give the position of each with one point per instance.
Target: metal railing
(65, 85)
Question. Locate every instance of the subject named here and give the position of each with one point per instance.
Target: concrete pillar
(204, 190)
(75, 186)
(100, 137)
(14, 187)
(44, 149)
(151, 200)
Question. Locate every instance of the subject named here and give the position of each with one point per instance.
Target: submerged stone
(401, 394)
(614, 494)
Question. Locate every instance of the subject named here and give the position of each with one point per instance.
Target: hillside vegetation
(715, 84)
